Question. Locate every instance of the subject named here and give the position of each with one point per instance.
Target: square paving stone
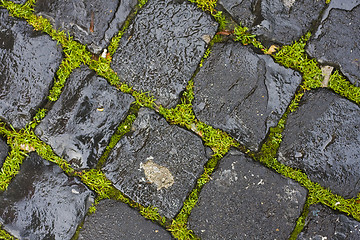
(243, 93)
(325, 223)
(163, 47)
(325, 45)
(157, 164)
(115, 220)
(4, 149)
(322, 137)
(41, 202)
(28, 62)
(245, 200)
(285, 21)
(82, 120)
(91, 22)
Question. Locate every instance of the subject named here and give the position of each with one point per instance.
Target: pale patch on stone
(326, 72)
(289, 3)
(159, 175)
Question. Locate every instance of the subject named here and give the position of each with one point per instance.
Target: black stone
(4, 149)
(243, 11)
(41, 202)
(76, 16)
(168, 146)
(242, 92)
(28, 61)
(287, 20)
(324, 223)
(326, 46)
(163, 47)
(115, 220)
(322, 138)
(81, 122)
(245, 200)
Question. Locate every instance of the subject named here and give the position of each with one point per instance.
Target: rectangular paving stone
(163, 47)
(157, 164)
(82, 120)
(91, 22)
(322, 137)
(116, 220)
(243, 93)
(28, 62)
(341, 21)
(41, 202)
(245, 200)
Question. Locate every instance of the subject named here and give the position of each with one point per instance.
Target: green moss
(205, 5)
(4, 235)
(11, 167)
(243, 35)
(344, 88)
(300, 222)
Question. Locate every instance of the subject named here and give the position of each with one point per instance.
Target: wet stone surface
(243, 11)
(325, 44)
(322, 138)
(245, 200)
(324, 223)
(4, 149)
(287, 20)
(81, 122)
(156, 150)
(41, 202)
(242, 92)
(76, 17)
(28, 62)
(158, 54)
(115, 220)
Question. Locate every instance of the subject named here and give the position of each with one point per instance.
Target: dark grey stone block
(82, 120)
(324, 223)
(28, 61)
(285, 21)
(243, 93)
(322, 138)
(4, 149)
(115, 220)
(245, 200)
(243, 11)
(162, 48)
(157, 164)
(326, 46)
(42, 202)
(76, 16)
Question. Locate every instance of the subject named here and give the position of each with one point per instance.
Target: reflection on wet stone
(78, 16)
(322, 138)
(41, 202)
(162, 48)
(245, 200)
(28, 61)
(326, 47)
(81, 122)
(242, 92)
(153, 166)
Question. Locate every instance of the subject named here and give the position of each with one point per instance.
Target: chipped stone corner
(159, 175)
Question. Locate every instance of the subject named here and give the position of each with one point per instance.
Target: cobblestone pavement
(174, 119)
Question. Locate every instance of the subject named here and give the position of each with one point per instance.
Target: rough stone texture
(169, 146)
(76, 17)
(245, 200)
(325, 44)
(4, 149)
(243, 11)
(324, 223)
(322, 138)
(41, 202)
(28, 61)
(162, 48)
(287, 20)
(81, 122)
(115, 220)
(243, 93)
